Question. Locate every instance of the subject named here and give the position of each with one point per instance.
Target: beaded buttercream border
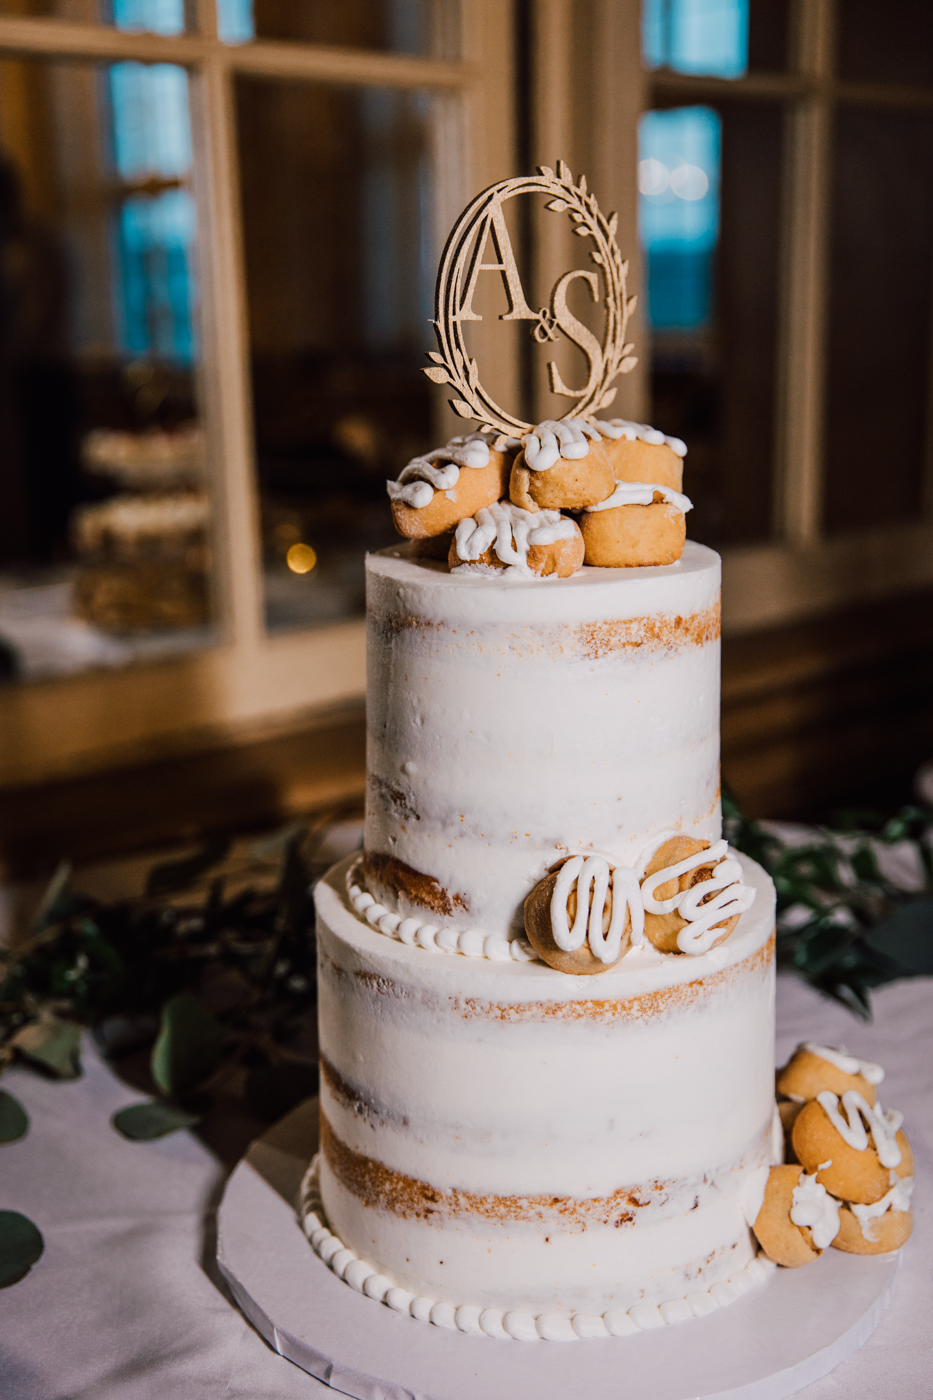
(515, 1324)
(472, 943)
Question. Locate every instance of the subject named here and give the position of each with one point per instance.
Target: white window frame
(250, 684)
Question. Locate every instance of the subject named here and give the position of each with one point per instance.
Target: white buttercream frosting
(898, 1198)
(578, 873)
(555, 439)
(642, 493)
(438, 470)
(814, 1207)
(626, 1111)
(515, 1324)
(708, 904)
(510, 532)
(882, 1127)
(845, 1062)
(622, 428)
(506, 721)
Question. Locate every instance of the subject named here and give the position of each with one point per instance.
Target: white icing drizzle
(511, 531)
(814, 1207)
(418, 481)
(601, 872)
(642, 493)
(554, 439)
(845, 1062)
(472, 943)
(622, 428)
(898, 1198)
(882, 1126)
(724, 894)
(516, 1323)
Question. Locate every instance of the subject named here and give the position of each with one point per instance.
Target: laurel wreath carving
(453, 364)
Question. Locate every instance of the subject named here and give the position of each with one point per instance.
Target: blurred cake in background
(143, 554)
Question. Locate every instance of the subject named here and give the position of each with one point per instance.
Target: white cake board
(771, 1343)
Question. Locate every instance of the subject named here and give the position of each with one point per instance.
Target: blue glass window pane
(235, 23)
(155, 248)
(154, 16)
(696, 36)
(151, 128)
(678, 179)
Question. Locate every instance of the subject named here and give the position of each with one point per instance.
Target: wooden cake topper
(461, 264)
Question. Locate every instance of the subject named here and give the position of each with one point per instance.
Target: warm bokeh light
(301, 559)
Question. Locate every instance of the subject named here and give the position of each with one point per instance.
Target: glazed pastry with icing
(877, 1228)
(813, 1068)
(851, 1146)
(638, 526)
(638, 452)
(584, 915)
(562, 466)
(435, 492)
(675, 890)
(798, 1218)
(503, 536)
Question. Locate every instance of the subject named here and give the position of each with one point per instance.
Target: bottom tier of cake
(499, 1135)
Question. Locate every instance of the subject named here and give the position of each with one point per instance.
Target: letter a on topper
(462, 262)
(494, 223)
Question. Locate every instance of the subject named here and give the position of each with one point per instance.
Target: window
(788, 240)
(215, 356)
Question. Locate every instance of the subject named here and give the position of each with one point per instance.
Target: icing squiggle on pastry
(621, 428)
(588, 923)
(848, 1064)
(504, 1323)
(554, 439)
(814, 1207)
(898, 1198)
(724, 895)
(510, 531)
(882, 1127)
(418, 481)
(642, 493)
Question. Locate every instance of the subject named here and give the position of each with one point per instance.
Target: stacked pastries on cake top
(607, 494)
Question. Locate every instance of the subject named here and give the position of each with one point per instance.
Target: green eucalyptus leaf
(177, 874)
(14, 1121)
(907, 937)
(53, 1044)
(144, 1122)
(188, 1045)
(21, 1245)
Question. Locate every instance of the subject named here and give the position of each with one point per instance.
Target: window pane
(395, 26)
(879, 318)
(710, 227)
(138, 16)
(340, 275)
(721, 38)
(104, 513)
(892, 43)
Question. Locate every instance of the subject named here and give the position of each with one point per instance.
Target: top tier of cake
(511, 720)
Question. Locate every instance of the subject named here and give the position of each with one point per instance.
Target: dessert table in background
(126, 1303)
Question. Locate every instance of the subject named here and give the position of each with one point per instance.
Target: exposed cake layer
(506, 1135)
(509, 718)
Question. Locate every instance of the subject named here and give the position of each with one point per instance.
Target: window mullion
(226, 381)
(805, 276)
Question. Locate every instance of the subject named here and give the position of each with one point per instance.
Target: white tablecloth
(124, 1304)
